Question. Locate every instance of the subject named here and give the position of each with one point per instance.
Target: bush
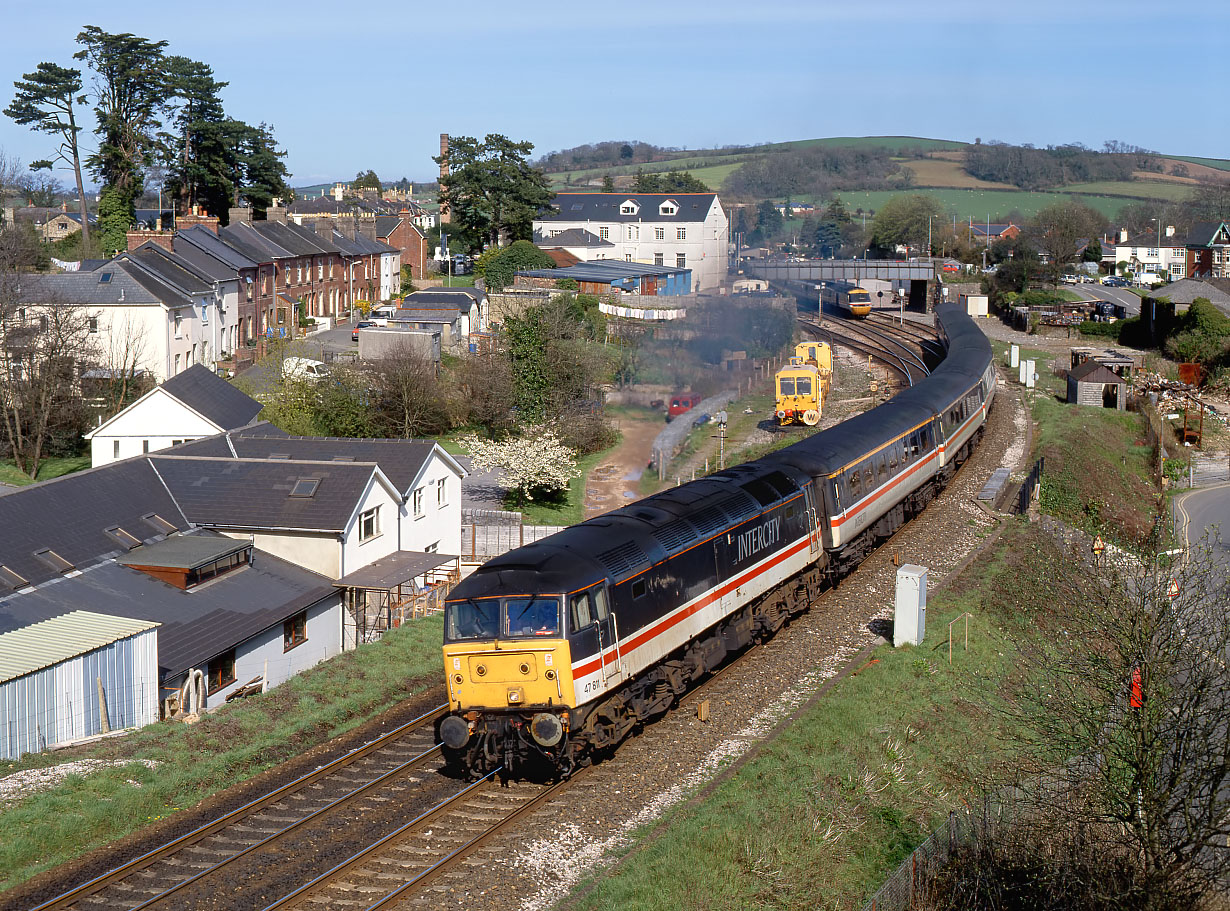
(1090, 329)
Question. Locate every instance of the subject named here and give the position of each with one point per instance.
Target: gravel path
(538, 864)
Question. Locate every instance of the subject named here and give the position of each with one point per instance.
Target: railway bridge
(918, 274)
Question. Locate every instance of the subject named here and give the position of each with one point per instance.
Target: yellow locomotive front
(798, 393)
(509, 676)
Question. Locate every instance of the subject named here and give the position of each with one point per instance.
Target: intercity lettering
(756, 540)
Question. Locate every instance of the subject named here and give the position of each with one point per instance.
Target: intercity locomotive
(555, 651)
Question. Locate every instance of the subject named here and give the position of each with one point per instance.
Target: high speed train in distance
(848, 297)
(555, 651)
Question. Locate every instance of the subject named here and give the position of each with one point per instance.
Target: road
(1201, 509)
(1130, 301)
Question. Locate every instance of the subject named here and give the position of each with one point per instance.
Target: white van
(302, 368)
(381, 315)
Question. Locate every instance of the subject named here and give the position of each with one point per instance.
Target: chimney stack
(241, 215)
(276, 213)
(444, 216)
(324, 227)
(161, 238)
(1123, 235)
(198, 217)
(367, 226)
(1170, 230)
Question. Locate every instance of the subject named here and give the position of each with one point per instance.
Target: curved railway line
(900, 352)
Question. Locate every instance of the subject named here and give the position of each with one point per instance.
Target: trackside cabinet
(910, 614)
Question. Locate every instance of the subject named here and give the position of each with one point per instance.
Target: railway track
(899, 355)
(170, 874)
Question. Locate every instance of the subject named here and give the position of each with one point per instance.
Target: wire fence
(911, 882)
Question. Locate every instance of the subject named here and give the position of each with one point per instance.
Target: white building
(194, 404)
(148, 309)
(685, 230)
(1143, 253)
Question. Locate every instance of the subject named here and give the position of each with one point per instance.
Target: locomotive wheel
(811, 417)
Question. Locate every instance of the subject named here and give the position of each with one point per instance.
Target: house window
(222, 671)
(627, 209)
(320, 270)
(294, 631)
(604, 233)
(432, 548)
(681, 260)
(298, 274)
(369, 524)
(657, 259)
(681, 234)
(667, 209)
(177, 363)
(659, 234)
(442, 492)
(179, 326)
(93, 325)
(115, 449)
(627, 257)
(418, 501)
(634, 233)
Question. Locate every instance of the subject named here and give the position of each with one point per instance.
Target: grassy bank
(827, 810)
(571, 509)
(47, 469)
(226, 747)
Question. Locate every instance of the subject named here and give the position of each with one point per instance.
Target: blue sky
(372, 85)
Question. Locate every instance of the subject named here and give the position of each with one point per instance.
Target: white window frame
(604, 233)
(659, 234)
(369, 524)
(441, 492)
(416, 500)
(681, 234)
(681, 260)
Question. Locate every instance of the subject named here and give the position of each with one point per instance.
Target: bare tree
(125, 380)
(43, 346)
(1129, 724)
(1062, 228)
(407, 393)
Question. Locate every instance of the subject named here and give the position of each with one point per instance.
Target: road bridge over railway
(815, 271)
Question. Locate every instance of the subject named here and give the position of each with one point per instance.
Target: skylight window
(12, 579)
(118, 534)
(54, 560)
(158, 523)
(104, 278)
(343, 458)
(282, 456)
(305, 487)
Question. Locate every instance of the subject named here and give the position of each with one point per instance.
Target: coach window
(869, 479)
(582, 614)
(855, 483)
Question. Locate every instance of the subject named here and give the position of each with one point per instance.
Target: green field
(892, 143)
(981, 204)
(47, 469)
(1133, 189)
(1222, 164)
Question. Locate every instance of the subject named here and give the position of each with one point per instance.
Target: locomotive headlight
(525, 668)
(458, 679)
(480, 670)
(550, 675)
(516, 695)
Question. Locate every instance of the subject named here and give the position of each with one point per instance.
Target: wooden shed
(1094, 384)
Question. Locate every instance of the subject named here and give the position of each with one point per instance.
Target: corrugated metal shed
(60, 675)
(40, 645)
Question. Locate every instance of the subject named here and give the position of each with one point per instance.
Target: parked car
(362, 324)
(303, 368)
(1069, 279)
(1112, 281)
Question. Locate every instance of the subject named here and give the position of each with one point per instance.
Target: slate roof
(604, 270)
(251, 243)
(434, 315)
(87, 287)
(399, 460)
(196, 625)
(242, 493)
(200, 242)
(43, 214)
(444, 297)
(1203, 233)
(1149, 239)
(692, 207)
(1093, 372)
(167, 268)
(573, 237)
(1217, 290)
(387, 224)
(70, 516)
(205, 392)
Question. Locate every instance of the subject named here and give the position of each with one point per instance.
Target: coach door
(813, 520)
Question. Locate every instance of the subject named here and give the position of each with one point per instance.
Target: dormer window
(669, 207)
(629, 207)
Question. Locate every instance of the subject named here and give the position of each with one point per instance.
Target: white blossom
(536, 463)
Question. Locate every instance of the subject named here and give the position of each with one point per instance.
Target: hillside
(925, 165)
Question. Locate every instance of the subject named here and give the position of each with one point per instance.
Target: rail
(137, 864)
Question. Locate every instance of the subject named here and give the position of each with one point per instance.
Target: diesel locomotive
(848, 297)
(555, 651)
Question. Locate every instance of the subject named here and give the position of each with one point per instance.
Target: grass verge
(226, 747)
(824, 812)
(47, 469)
(571, 509)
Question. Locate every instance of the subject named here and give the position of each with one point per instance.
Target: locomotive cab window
(638, 588)
(473, 619)
(787, 384)
(533, 616)
(803, 384)
(582, 612)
